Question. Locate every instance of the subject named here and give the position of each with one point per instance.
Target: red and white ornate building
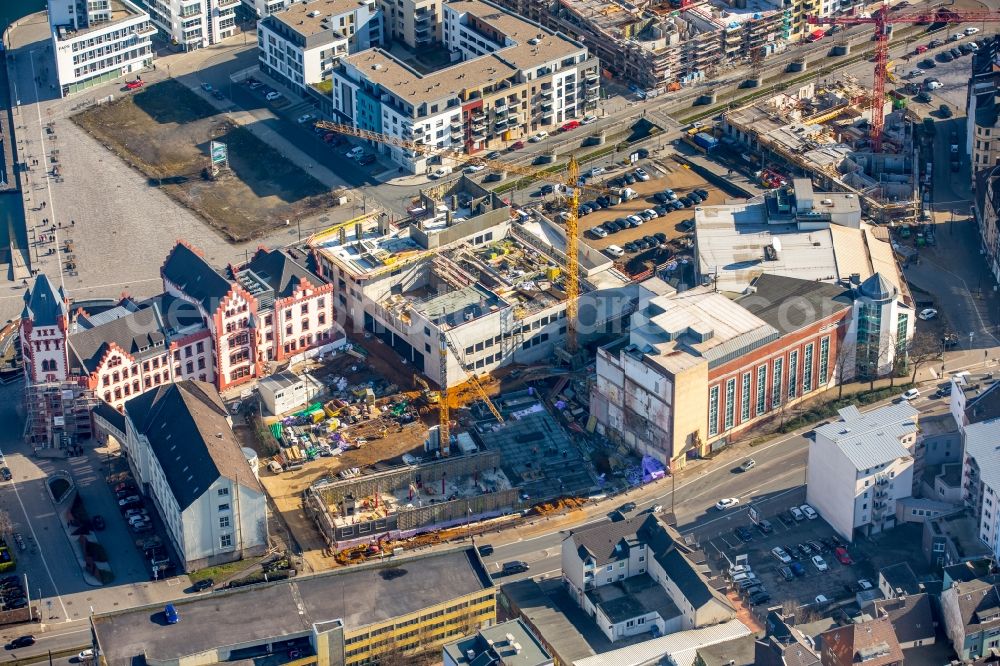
(223, 327)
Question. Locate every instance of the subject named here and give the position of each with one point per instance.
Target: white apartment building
(98, 41)
(416, 23)
(301, 45)
(264, 8)
(181, 448)
(981, 479)
(860, 466)
(882, 326)
(637, 573)
(194, 24)
(510, 79)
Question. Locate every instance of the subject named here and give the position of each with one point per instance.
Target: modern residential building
(415, 23)
(698, 367)
(971, 613)
(509, 643)
(638, 576)
(98, 41)
(344, 617)
(300, 46)
(206, 326)
(981, 480)
(860, 465)
(974, 398)
(461, 276)
(872, 642)
(262, 8)
(180, 446)
(729, 643)
(912, 619)
(510, 78)
(193, 24)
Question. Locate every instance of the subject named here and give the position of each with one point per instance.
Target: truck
(705, 141)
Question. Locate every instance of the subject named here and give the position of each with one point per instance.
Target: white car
(934, 85)
(356, 151)
(538, 137)
(474, 168)
(657, 508)
(304, 118)
(971, 31)
(586, 120)
(797, 513)
(928, 313)
(614, 251)
(86, 655)
(779, 554)
(440, 172)
(809, 512)
(599, 232)
(641, 174)
(596, 171)
(973, 46)
(651, 213)
(727, 503)
(638, 221)
(271, 96)
(821, 600)
(820, 563)
(912, 394)
(865, 584)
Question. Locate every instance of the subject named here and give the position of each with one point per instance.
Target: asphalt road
(776, 483)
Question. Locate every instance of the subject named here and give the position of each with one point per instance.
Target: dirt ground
(164, 131)
(664, 174)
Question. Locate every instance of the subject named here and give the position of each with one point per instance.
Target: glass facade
(807, 369)
(793, 374)
(824, 360)
(745, 398)
(761, 389)
(713, 411)
(776, 383)
(730, 403)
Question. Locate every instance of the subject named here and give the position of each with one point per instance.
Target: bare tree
(922, 349)
(6, 524)
(843, 364)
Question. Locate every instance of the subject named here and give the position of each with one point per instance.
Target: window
(745, 398)
(224, 521)
(776, 383)
(807, 369)
(713, 411)
(793, 370)
(223, 492)
(224, 507)
(824, 360)
(730, 403)
(761, 389)
(226, 541)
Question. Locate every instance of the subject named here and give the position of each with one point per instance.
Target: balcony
(546, 107)
(547, 118)
(546, 95)
(147, 29)
(228, 3)
(591, 78)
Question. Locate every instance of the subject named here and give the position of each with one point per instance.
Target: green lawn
(224, 571)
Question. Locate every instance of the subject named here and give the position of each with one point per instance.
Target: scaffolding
(59, 416)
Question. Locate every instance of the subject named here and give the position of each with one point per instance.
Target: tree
(922, 349)
(6, 524)
(844, 364)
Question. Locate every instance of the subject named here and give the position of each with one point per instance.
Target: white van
(614, 251)
(275, 467)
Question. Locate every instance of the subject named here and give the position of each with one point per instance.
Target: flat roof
(371, 252)
(677, 646)
(307, 18)
(512, 642)
(121, 10)
(633, 597)
(359, 596)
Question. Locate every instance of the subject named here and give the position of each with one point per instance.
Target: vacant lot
(164, 131)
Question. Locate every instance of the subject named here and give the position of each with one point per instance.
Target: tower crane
(572, 186)
(882, 19)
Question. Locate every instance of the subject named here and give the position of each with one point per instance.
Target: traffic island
(76, 523)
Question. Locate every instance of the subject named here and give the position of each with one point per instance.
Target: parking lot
(799, 580)
(663, 175)
(951, 72)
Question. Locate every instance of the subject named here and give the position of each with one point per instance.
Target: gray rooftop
(508, 643)
(633, 597)
(360, 596)
(982, 442)
(872, 438)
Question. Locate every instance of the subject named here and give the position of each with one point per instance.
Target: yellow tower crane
(573, 187)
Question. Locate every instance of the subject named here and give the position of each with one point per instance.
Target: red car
(571, 125)
(842, 555)
(134, 85)
(517, 145)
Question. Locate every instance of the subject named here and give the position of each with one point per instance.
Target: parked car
(304, 118)
(865, 584)
(170, 614)
(134, 85)
(797, 513)
(744, 534)
(911, 394)
(5, 473)
(779, 554)
(760, 598)
(20, 642)
(820, 563)
(627, 507)
(273, 96)
(354, 152)
(129, 499)
(971, 30)
(614, 251)
(598, 232)
(641, 174)
(843, 556)
(207, 87)
(517, 145)
(485, 550)
(797, 569)
(786, 572)
(809, 512)
(538, 137)
(474, 168)
(727, 503)
(944, 111)
(923, 97)
(928, 313)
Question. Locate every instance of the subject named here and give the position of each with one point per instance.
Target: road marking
(715, 520)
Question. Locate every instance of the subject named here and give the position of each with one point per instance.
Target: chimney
(342, 235)
(357, 231)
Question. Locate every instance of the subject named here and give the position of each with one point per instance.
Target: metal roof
(872, 438)
(982, 442)
(681, 647)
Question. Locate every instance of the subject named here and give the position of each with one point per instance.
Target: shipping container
(706, 141)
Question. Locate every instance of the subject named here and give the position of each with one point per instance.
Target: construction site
(464, 285)
(824, 133)
(659, 46)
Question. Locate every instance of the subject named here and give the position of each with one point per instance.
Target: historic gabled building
(212, 326)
